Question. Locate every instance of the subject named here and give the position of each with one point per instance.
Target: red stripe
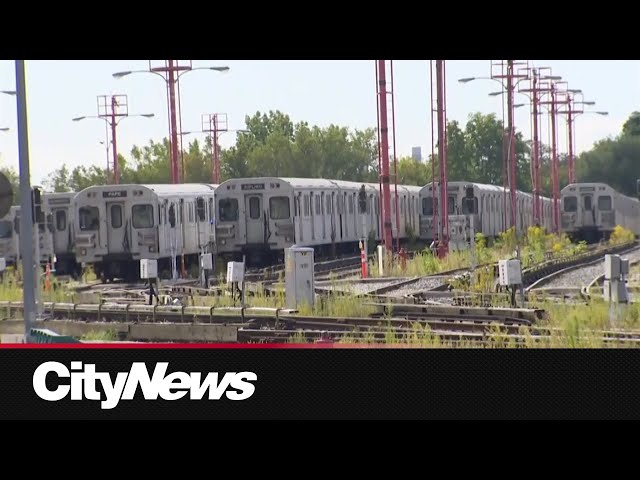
(91, 346)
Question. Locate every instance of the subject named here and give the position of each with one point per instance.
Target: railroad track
(576, 280)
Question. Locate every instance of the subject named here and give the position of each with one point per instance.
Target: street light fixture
(173, 72)
(104, 105)
(4, 129)
(9, 92)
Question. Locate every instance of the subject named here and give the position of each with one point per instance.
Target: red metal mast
(572, 166)
(215, 124)
(443, 233)
(511, 141)
(395, 158)
(111, 108)
(536, 90)
(434, 210)
(384, 150)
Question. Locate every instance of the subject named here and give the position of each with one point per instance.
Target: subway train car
(591, 211)
(260, 217)
(58, 209)
(9, 236)
(118, 225)
(484, 203)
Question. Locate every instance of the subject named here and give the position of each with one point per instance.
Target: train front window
(61, 220)
(6, 229)
(587, 202)
(279, 208)
(427, 205)
(142, 216)
(604, 203)
(228, 210)
(89, 218)
(451, 204)
(570, 204)
(470, 206)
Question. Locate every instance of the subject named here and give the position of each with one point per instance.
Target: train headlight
(223, 241)
(287, 239)
(83, 251)
(152, 249)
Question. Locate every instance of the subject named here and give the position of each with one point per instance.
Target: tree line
(272, 145)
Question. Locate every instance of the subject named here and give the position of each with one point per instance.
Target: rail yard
(341, 261)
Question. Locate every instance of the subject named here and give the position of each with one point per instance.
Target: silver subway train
(591, 211)
(118, 225)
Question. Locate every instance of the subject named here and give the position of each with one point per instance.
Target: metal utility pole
(384, 153)
(112, 109)
(537, 88)
(215, 124)
(443, 230)
(395, 158)
(571, 113)
(554, 160)
(26, 204)
(434, 210)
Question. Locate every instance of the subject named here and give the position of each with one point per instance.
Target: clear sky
(319, 92)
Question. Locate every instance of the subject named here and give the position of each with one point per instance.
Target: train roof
(160, 189)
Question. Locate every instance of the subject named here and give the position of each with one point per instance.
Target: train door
(115, 227)
(588, 213)
(60, 229)
(253, 216)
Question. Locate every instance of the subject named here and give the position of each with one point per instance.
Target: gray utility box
(299, 286)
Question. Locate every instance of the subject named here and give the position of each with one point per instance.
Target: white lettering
(40, 381)
(174, 386)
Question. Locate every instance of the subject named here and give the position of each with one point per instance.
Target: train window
(587, 202)
(211, 214)
(200, 209)
(89, 218)
(296, 206)
(6, 229)
(350, 205)
(61, 220)
(451, 204)
(190, 212)
(570, 204)
(470, 206)
(328, 204)
(172, 215)
(306, 205)
(254, 208)
(428, 204)
(228, 210)
(116, 216)
(604, 203)
(142, 216)
(279, 208)
(317, 206)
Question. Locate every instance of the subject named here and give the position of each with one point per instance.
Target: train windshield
(427, 205)
(451, 204)
(6, 229)
(228, 210)
(279, 208)
(604, 203)
(142, 216)
(89, 218)
(470, 206)
(570, 204)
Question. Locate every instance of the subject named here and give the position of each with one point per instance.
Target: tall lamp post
(571, 112)
(171, 72)
(213, 129)
(112, 109)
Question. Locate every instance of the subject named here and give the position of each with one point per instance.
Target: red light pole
(441, 119)
(215, 124)
(506, 70)
(571, 113)
(383, 149)
(112, 109)
(173, 71)
(536, 90)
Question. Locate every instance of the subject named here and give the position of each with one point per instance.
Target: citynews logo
(176, 385)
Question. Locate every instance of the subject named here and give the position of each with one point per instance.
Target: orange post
(363, 260)
(47, 277)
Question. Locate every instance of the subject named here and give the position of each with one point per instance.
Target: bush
(621, 235)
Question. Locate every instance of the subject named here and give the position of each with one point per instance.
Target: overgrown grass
(101, 335)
